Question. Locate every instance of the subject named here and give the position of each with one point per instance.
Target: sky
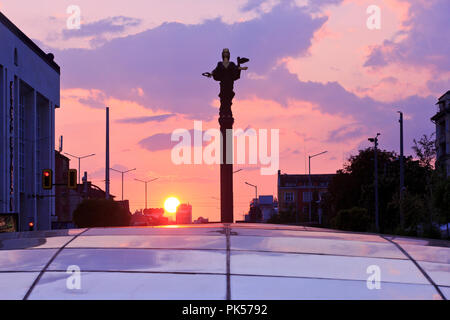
(317, 73)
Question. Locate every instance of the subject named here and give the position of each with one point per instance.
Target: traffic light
(47, 179)
(72, 181)
(31, 226)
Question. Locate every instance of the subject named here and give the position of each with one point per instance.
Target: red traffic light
(47, 179)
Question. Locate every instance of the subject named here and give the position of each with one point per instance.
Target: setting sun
(171, 204)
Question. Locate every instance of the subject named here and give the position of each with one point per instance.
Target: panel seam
(430, 280)
(41, 273)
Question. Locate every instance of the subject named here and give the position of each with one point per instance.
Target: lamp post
(79, 163)
(122, 172)
(146, 181)
(402, 171)
(375, 142)
(256, 189)
(310, 182)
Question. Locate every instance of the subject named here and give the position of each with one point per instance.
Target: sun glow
(171, 204)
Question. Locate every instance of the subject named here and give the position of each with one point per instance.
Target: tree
(354, 219)
(286, 216)
(441, 201)
(255, 214)
(93, 213)
(353, 186)
(425, 150)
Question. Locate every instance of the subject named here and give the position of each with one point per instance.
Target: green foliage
(284, 216)
(255, 214)
(425, 150)
(441, 200)
(354, 219)
(426, 201)
(100, 213)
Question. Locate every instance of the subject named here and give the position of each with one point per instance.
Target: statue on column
(227, 72)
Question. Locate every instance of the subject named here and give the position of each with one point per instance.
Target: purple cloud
(116, 24)
(426, 43)
(158, 118)
(167, 61)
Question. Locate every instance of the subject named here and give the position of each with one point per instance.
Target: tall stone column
(226, 169)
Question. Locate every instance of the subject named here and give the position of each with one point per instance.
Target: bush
(93, 213)
(354, 219)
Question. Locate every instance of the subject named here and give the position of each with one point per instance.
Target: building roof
(296, 179)
(18, 33)
(221, 261)
(445, 94)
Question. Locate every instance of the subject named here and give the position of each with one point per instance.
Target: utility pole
(375, 141)
(79, 163)
(402, 173)
(310, 182)
(107, 155)
(123, 172)
(145, 181)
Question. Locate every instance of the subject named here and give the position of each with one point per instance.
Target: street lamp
(256, 189)
(122, 172)
(402, 171)
(79, 163)
(310, 182)
(375, 142)
(147, 181)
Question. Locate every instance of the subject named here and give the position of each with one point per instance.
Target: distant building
(268, 207)
(294, 191)
(184, 214)
(261, 209)
(157, 212)
(63, 207)
(442, 121)
(29, 95)
(67, 200)
(149, 217)
(201, 220)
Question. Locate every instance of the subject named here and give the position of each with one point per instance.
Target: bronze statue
(227, 72)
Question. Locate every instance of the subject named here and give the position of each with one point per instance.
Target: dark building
(29, 96)
(296, 192)
(63, 212)
(67, 200)
(442, 121)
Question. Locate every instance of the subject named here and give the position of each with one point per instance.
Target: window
(307, 196)
(289, 196)
(16, 57)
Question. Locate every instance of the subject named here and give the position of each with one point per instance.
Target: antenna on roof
(60, 144)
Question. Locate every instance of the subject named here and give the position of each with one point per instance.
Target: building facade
(184, 214)
(442, 122)
(29, 95)
(297, 192)
(262, 209)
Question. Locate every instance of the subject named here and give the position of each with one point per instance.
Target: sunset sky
(316, 73)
